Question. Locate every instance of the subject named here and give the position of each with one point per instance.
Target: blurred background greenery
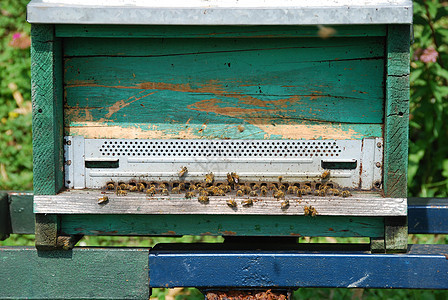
(428, 139)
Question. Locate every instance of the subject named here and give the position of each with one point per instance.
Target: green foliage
(15, 98)
(428, 145)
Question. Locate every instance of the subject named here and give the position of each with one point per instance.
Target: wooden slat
(397, 112)
(78, 274)
(5, 220)
(217, 225)
(103, 31)
(205, 88)
(85, 201)
(46, 89)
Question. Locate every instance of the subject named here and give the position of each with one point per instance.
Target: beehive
(281, 94)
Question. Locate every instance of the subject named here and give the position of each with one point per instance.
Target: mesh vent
(220, 148)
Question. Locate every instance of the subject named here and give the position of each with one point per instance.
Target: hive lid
(220, 12)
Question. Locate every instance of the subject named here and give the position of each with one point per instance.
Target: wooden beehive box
(280, 93)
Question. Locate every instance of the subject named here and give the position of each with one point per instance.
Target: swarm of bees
(202, 191)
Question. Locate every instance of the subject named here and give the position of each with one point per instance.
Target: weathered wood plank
(103, 31)
(274, 87)
(86, 201)
(46, 231)
(21, 211)
(78, 274)
(239, 225)
(397, 111)
(46, 89)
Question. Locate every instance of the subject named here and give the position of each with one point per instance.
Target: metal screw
(378, 165)
(68, 162)
(377, 184)
(378, 145)
(69, 143)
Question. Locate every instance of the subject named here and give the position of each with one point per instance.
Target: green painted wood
(279, 88)
(397, 111)
(46, 89)
(169, 225)
(76, 30)
(83, 273)
(46, 234)
(21, 211)
(5, 220)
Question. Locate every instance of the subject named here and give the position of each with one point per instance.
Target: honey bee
(121, 193)
(246, 190)
(309, 211)
(345, 194)
(307, 189)
(103, 200)
(110, 186)
(151, 191)
(226, 188)
(183, 171)
(122, 186)
(299, 192)
(285, 204)
(282, 187)
(322, 192)
(164, 192)
(255, 187)
(132, 188)
(280, 178)
(162, 186)
(203, 193)
(247, 202)
(292, 189)
(264, 191)
(230, 179)
(192, 187)
(175, 190)
(239, 193)
(253, 194)
(203, 199)
(189, 195)
(325, 175)
(279, 195)
(182, 186)
(236, 178)
(334, 192)
(232, 203)
(209, 178)
(141, 186)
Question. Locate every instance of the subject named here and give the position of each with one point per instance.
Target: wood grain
(85, 201)
(217, 225)
(205, 88)
(46, 93)
(172, 31)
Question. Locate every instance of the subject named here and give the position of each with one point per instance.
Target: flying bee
(189, 195)
(346, 193)
(285, 204)
(182, 186)
(141, 186)
(203, 199)
(175, 190)
(325, 175)
(103, 200)
(279, 195)
(253, 194)
(247, 202)
(151, 191)
(183, 171)
(209, 178)
(121, 193)
(110, 186)
(264, 191)
(239, 193)
(231, 203)
(164, 192)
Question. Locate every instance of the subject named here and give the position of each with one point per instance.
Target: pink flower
(429, 55)
(16, 36)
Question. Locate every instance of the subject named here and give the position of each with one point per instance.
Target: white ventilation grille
(220, 148)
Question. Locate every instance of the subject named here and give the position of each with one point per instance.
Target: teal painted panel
(130, 31)
(222, 225)
(288, 83)
(81, 273)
